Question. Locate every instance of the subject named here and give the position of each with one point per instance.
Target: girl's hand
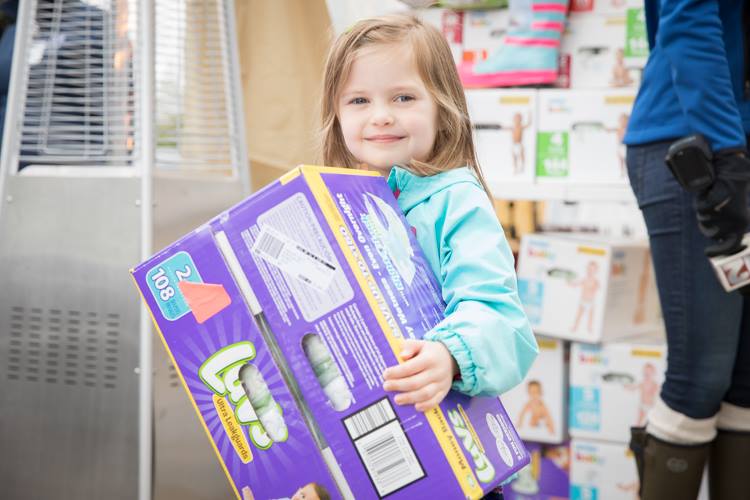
(425, 377)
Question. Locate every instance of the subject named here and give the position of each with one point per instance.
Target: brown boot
(667, 470)
(728, 472)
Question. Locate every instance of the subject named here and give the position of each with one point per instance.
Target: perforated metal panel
(73, 348)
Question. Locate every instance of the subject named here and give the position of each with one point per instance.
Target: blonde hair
(454, 146)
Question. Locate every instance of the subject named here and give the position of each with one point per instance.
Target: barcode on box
(294, 259)
(383, 447)
(269, 244)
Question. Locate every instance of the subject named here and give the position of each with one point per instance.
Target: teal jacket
(485, 327)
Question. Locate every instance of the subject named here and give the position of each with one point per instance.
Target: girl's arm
(485, 329)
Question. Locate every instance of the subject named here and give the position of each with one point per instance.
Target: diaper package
(281, 315)
(538, 406)
(588, 288)
(613, 387)
(547, 477)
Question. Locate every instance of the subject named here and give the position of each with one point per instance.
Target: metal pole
(146, 110)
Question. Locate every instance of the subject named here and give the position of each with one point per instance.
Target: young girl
(393, 102)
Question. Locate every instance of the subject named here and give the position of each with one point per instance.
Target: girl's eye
(358, 100)
(404, 98)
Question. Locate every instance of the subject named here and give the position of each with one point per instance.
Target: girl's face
(387, 116)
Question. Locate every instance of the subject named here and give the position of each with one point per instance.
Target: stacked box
(579, 135)
(451, 24)
(612, 388)
(504, 124)
(325, 262)
(587, 289)
(483, 33)
(595, 47)
(547, 477)
(602, 471)
(538, 406)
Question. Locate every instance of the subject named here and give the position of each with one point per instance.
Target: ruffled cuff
(460, 351)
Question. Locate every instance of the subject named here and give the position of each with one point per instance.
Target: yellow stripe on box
(592, 250)
(233, 429)
(472, 431)
(547, 344)
(301, 169)
(435, 417)
(619, 99)
(646, 353)
(515, 99)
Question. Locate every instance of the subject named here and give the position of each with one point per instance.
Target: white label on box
(293, 258)
(317, 281)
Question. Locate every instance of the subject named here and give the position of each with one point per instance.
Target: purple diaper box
(281, 314)
(547, 477)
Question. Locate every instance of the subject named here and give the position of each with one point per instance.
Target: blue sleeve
(690, 35)
(485, 328)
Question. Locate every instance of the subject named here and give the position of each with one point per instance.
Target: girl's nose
(381, 116)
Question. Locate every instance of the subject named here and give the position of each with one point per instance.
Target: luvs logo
(482, 466)
(221, 374)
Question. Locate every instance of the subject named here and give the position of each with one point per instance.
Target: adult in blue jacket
(696, 81)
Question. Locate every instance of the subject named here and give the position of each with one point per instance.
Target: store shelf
(608, 192)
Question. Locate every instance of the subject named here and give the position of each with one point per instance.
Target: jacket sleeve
(485, 328)
(690, 34)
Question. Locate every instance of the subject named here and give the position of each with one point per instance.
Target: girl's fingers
(407, 369)
(430, 403)
(410, 348)
(420, 395)
(427, 405)
(407, 384)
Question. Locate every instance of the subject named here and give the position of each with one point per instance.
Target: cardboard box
(619, 220)
(483, 33)
(451, 24)
(504, 124)
(595, 46)
(593, 8)
(612, 388)
(579, 135)
(547, 477)
(602, 471)
(325, 262)
(538, 406)
(586, 288)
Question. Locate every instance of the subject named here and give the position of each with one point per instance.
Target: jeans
(708, 330)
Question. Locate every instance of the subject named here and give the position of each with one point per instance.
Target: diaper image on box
(579, 135)
(322, 280)
(587, 288)
(265, 407)
(504, 124)
(602, 471)
(547, 476)
(537, 406)
(612, 388)
(327, 372)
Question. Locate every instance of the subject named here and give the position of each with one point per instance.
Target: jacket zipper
(746, 46)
